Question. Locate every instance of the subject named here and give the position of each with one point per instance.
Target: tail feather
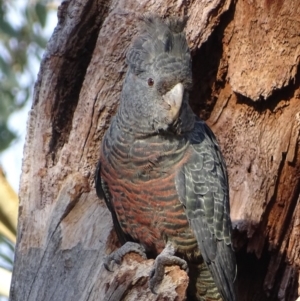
(202, 286)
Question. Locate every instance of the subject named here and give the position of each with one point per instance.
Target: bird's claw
(157, 273)
(116, 257)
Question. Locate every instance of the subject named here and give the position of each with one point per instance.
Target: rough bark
(246, 85)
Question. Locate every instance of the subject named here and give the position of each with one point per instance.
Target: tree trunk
(246, 85)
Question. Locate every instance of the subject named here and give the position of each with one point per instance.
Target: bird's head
(156, 88)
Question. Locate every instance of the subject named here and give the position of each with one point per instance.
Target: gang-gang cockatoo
(161, 171)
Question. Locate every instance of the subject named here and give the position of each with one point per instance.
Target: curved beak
(174, 100)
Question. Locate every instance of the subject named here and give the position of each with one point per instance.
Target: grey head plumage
(162, 46)
(155, 92)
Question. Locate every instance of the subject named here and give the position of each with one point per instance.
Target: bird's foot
(165, 258)
(116, 257)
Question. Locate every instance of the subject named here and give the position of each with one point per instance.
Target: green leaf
(7, 29)
(8, 262)
(6, 136)
(7, 242)
(20, 44)
(7, 258)
(41, 12)
(4, 66)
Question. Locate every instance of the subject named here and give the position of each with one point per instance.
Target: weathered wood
(65, 231)
(264, 47)
(129, 282)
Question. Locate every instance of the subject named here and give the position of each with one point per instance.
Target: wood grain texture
(264, 47)
(64, 230)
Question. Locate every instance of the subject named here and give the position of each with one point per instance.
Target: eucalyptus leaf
(19, 41)
(41, 12)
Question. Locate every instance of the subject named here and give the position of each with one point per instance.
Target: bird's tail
(201, 285)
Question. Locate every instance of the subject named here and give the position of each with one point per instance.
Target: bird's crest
(159, 43)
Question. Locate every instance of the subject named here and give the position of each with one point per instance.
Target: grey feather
(202, 185)
(161, 45)
(103, 193)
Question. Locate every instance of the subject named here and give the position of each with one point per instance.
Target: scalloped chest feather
(140, 174)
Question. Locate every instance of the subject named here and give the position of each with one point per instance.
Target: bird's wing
(103, 193)
(202, 186)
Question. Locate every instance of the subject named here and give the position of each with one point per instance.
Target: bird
(161, 171)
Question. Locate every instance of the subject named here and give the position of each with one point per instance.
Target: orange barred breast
(149, 210)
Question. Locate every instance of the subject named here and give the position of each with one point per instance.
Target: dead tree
(246, 85)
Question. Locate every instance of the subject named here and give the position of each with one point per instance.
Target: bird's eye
(150, 82)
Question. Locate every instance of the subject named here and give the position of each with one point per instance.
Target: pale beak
(174, 99)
